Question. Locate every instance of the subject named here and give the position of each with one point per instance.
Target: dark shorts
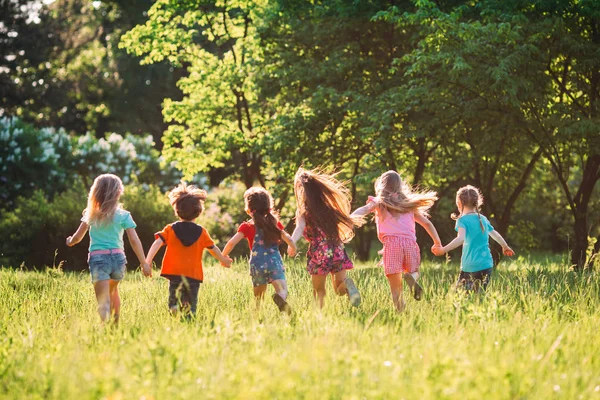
(474, 280)
(183, 292)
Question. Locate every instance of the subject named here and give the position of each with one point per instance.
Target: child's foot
(282, 304)
(353, 293)
(414, 286)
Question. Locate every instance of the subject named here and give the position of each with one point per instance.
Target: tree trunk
(578, 254)
(362, 243)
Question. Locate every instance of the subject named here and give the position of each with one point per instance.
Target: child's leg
(280, 286)
(115, 300)
(101, 288)
(281, 293)
(344, 285)
(318, 282)
(259, 293)
(395, 281)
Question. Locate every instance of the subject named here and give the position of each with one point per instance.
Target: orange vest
(184, 259)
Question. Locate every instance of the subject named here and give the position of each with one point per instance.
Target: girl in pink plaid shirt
(397, 208)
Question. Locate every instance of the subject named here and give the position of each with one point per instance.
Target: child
(323, 217)
(397, 207)
(185, 241)
(473, 230)
(263, 233)
(106, 221)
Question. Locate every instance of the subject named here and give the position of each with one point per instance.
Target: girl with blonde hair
(106, 221)
(397, 208)
(474, 231)
(323, 217)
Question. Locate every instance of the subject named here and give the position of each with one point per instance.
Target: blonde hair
(325, 204)
(103, 199)
(469, 196)
(397, 197)
(187, 201)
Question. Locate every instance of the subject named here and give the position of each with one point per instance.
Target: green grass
(534, 336)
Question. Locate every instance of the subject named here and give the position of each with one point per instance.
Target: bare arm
(216, 253)
(428, 226)
(158, 243)
(291, 251)
(300, 225)
(364, 210)
(78, 235)
(507, 251)
(136, 244)
(457, 242)
(232, 243)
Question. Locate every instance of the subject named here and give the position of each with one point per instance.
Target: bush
(50, 160)
(37, 227)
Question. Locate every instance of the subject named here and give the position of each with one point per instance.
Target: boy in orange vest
(185, 241)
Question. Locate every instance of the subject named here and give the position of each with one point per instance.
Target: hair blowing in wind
(103, 199)
(325, 204)
(397, 197)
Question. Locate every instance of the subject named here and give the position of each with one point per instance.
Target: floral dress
(324, 256)
(266, 264)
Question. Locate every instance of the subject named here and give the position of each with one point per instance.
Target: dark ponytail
(259, 203)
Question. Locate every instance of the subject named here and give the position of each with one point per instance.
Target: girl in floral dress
(323, 217)
(264, 232)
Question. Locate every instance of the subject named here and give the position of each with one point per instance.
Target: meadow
(533, 336)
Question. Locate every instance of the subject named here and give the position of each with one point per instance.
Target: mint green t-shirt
(476, 254)
(110, 235)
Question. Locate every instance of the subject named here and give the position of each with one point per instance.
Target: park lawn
(534, 336)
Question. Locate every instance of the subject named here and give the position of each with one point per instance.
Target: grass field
(534, 336)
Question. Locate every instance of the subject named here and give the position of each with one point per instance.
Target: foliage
(37, 227)
(49, 160)
(63, 67)
(530, 337)
(218, 120)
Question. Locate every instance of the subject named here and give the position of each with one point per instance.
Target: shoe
(353, 294)
(414, 286)
(282, 304)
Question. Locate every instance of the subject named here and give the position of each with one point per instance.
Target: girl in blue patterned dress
(264, 232)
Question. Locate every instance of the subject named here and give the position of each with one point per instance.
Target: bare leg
(280, 287)
(115, 300)
(318, 282)
(101, 288)
(259, 293)
(395, 281)
(339, 282)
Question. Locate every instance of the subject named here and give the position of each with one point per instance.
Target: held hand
(292, 251)
(147, 269)
(437, 250)
(226, 262)
(507, 251)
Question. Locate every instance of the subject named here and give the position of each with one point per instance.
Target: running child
(106, 220)
(185, 241)
(323, 217)
(474, 231)
(397, 208)
(264, 233)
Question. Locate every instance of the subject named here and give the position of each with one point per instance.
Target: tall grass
(533, 336)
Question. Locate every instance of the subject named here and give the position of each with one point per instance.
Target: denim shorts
(107, 266)
(474, 280)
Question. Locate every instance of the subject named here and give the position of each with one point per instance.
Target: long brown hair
(103, 200)
(469, 196)
(260, 205)
(397, 197)
(325, 204)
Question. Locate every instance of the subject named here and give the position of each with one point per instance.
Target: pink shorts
(400, 255)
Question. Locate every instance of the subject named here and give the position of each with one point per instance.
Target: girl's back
(109, 235)
(394, 224)
(476, 254)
